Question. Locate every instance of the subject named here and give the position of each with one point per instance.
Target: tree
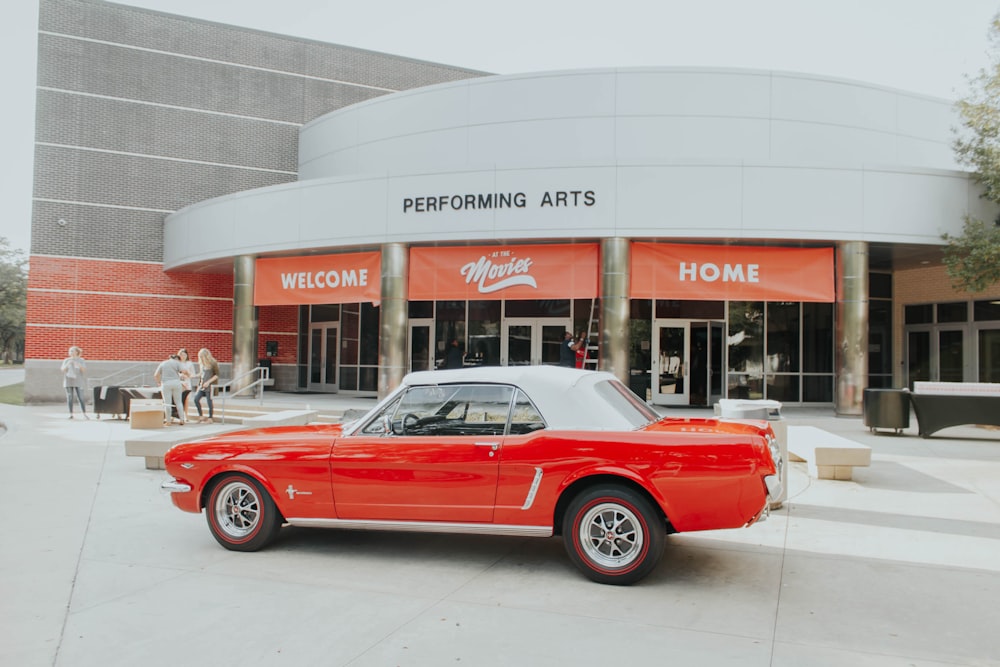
(972, 259)
(13, 301)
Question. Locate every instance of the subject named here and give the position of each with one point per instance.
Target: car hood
(226, 444)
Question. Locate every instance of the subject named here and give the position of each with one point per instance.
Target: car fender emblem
(292, 492)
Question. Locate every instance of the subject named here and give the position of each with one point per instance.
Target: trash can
(886, 408)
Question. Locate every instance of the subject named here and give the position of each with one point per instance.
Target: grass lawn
(12, 394)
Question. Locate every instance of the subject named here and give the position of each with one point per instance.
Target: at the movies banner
(347, 278)
(731, 273)
(560, 271)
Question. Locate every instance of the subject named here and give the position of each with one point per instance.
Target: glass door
(323, 348)
(937, 354)
(989, 355)
(951, 355)
(671, 362)
(531, 342)
(420, 344)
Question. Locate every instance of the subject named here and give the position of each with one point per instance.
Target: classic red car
(534, 451)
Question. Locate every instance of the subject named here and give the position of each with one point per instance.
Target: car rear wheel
(613, 534)
(241, 514)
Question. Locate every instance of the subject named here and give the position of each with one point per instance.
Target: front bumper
(173, 486)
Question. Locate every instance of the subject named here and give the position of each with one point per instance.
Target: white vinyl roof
(564, 396)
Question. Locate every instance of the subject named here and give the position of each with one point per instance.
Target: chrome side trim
(530, 498)
(426, 527)
(173, 486)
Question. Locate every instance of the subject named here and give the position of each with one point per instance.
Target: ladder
(590, 356)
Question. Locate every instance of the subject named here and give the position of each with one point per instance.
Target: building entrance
(324, 342)
(532, 341)
(420, 344)
(687, 361)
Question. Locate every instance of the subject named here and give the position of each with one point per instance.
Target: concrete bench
(281, 418)
(939, 405)
(828, 456)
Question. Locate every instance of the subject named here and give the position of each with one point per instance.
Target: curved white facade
(684, 154)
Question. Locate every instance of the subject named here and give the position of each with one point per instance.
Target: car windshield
(627, 404)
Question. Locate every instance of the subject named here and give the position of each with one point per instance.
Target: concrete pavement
(900, 566)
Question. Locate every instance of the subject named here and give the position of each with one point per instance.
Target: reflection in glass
(989, 355)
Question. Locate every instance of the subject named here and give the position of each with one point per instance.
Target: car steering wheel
(409, 421)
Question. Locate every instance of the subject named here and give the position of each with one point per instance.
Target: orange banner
(348, 278)
(731, 273)
(505, 272)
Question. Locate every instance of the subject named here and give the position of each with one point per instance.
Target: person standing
(169, 375)
(74, 370)
(567, 350)
(453, 356)
(188, 366)
(209, 376)
(581, 349)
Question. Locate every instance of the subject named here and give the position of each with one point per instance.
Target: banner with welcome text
(315, 279)
(731, 273)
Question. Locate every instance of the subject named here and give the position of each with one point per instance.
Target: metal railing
(132, 376)
(261, 378)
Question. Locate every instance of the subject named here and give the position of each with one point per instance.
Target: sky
(922, 46)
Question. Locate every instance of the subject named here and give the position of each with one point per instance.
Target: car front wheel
(241, 514)
(613, 534)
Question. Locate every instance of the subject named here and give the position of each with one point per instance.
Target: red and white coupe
(532, 450)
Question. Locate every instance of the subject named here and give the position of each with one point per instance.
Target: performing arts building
(343, 215)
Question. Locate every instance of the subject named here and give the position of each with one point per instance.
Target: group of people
(176, 375)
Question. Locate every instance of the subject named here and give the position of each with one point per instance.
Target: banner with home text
(731, 273)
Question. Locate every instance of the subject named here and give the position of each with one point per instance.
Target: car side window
(453, 410)
(525, 418)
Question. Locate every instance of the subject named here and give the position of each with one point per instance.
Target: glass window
(817, 389)
(746, 349)
(626, 403)
(537, 308)
(817, 337)
(328, 312)
(880, 285)
(525, 417)
(453, 410)
(879, 339)
(989, 355)
(919, 314)
(369, 334)
(421, 310)
(957, 311)
(690, 310)
(484, 333)
(784, 388)
(783, 338)
(449, 325)
(986, 311)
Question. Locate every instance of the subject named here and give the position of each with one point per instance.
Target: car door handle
(494, 446)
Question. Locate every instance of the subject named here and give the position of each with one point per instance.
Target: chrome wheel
(611, 535)
(237, 509)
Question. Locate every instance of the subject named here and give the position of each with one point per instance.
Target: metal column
(851, 327)
(394, 316)
(615, 258)
(244, 321)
